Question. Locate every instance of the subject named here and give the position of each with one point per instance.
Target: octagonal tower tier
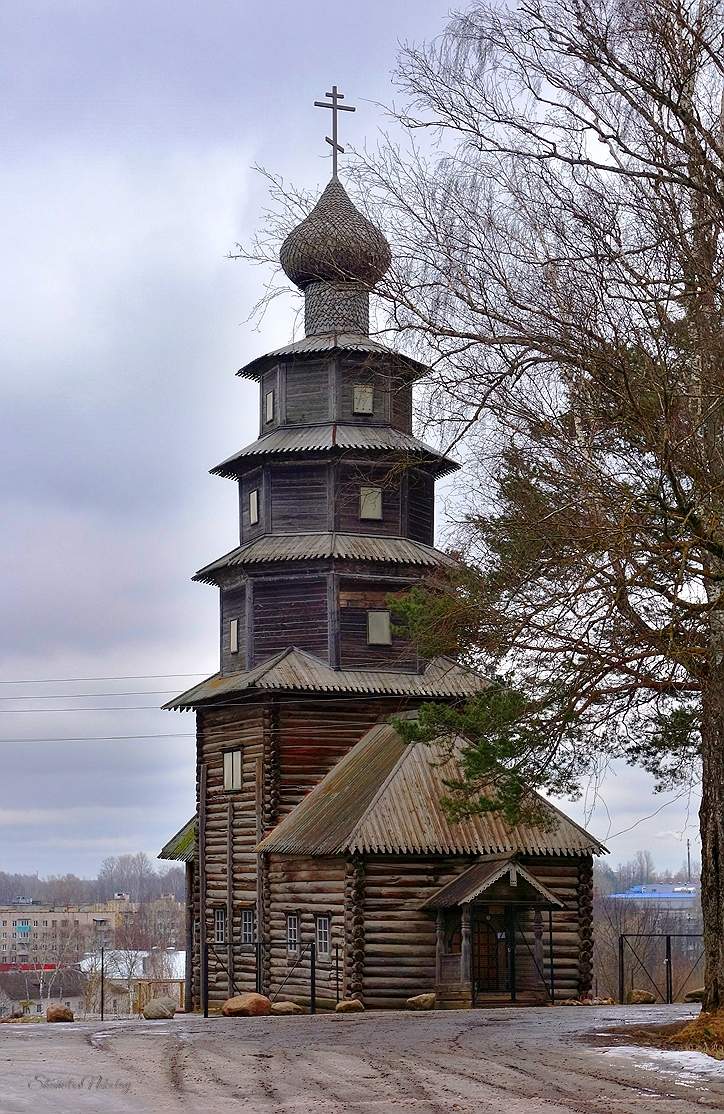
(336, 497)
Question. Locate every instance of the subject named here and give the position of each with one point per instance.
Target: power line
(134, 677)
(85, 695)
(104, 738)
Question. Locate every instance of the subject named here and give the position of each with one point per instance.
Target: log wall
(307, 887)
(287, 613)
(229, 840)
(400, 938)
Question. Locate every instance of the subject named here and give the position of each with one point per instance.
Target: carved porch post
(466, 951)
(439, 945)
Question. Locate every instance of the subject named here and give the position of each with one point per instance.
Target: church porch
(494, 937)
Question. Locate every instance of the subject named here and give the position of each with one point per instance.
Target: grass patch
(704, 1034)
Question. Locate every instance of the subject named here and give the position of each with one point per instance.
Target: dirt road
(526, 1061)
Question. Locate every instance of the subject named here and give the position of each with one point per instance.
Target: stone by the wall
(421, 1002)
(59, 1013)
(160, 1009)
(640, 998)
(349, 1005)
(287, 1009)
(247, 1005)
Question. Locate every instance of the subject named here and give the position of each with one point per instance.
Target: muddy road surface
(528, 1061)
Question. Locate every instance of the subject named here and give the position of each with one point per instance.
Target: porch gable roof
(481, 876)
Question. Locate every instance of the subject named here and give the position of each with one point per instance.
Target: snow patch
(684, 1067)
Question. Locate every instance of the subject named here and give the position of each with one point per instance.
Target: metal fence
(643, 959)
(261, 950)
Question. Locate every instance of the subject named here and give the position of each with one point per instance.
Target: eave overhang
(325, 546)
(399, 447)
(330, 343)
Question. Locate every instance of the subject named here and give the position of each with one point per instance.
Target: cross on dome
(335, 97)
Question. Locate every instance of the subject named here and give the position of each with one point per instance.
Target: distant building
(677, 906)
(33, 931)
(30, 992)
(136, 975)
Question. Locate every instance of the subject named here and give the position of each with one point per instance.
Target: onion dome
(335, 243)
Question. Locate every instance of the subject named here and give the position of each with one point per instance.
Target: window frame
(220, 924)
(323, 919)
(235, 767)
(292, 919)
(233, 636)
(366, 390)
(369, 492)
(379, 641)
(269, 407)
(247, 916)
(254, 506)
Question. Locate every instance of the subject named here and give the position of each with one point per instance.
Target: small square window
(379, 628)
(292, 932)
(220, 925)
(363, 399)
(370, 502)
(234, 636)
(254, 506)
(323, 935)
(269, 406)
(232, 769)
(247, 926)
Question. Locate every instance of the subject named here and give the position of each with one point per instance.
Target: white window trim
(370, 503)
(323, 938)
(367, 392)
(248, 918)
(269, 407)
(220, 924)
(292, 933)
(386, 641)
(233, 636)
(254, 506)
(233, 769)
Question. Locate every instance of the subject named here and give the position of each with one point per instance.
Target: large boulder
(160, 1009)
(349, 1005)
(421, 1002)
(247, 1005)
(640, 998)
(59, 1013)
(287, 1009)
(695, 995)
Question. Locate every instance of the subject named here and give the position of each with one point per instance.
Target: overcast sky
(129, 134)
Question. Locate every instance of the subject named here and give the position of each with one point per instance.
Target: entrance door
(490, 953)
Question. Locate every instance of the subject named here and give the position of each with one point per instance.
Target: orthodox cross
(335, 96)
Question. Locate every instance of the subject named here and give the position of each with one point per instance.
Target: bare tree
(557, 223)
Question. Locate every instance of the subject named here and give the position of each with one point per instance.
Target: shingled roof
(383, 797)
(319, 345)
(182, 846)
(304, 547)
(295, 670)
(331, 436)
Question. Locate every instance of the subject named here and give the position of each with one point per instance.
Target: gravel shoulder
(526, 1061)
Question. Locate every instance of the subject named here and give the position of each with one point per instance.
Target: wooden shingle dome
(335, 243)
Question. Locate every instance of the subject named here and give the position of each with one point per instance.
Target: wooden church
(316, 823)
